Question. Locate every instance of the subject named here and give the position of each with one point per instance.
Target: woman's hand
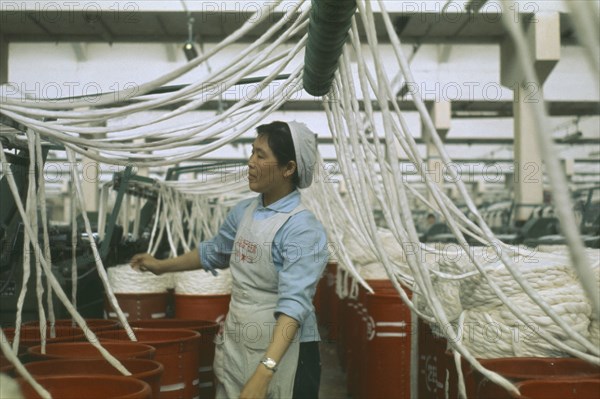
(146, 262)
(258, 385)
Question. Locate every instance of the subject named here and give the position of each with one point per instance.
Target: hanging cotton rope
(44, 215)
(35, 225)
(97, 259)
(52, 280)
(237, 126)
(260, 15)
(151, 248)
(8, 353)
(595, 317)
(540, 302)
(421, 275)
(559, 184)
(187, 213)
(239, 119)
(454, 287)
(102, 209)
(547, 308)
(74, 236)
(586, 21)
(124, 214)
(114, 159)
(26, 254)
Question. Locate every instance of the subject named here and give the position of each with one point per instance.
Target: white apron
(250, 322)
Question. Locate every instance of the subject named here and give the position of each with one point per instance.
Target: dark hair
(279, 138)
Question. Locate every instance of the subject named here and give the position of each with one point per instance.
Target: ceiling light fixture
(189, 49)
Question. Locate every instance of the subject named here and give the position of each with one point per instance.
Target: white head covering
(305, 146)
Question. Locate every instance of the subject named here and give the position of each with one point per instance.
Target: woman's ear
(290, 168)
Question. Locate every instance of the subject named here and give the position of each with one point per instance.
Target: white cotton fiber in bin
(362, 254)
(373, 271)
(555, 249)
(125, 280)
(490, 328)
(9, 388)
(201, 282)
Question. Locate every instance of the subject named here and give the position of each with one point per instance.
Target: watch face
(270, 363)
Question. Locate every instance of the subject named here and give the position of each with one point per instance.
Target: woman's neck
(275, 195)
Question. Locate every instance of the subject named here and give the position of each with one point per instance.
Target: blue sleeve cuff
(291, 308)
(303, 248)
(204, 251)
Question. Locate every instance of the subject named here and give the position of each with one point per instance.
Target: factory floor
(333, 378)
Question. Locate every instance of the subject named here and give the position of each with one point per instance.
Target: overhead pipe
(330, 21)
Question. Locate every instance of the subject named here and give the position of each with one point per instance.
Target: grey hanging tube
(330, 21)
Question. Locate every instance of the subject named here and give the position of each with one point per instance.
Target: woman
(277, 251)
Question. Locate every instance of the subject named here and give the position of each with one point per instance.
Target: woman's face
(264, 173)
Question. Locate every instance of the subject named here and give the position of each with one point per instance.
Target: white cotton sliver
(391, 246)
(447, 291)
(484, 320)
(488, 334)
(554, 249)
(201, 282)
(594, 328)
(491, 330)
(595, 332)
(9, 388)
(363, 254)
(593, 254)
(123, 279)
(373, 271)
(541, 271)
(358, 251)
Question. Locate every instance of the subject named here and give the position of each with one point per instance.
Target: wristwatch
(269, 363)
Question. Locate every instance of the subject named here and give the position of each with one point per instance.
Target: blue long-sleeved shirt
(299, 264)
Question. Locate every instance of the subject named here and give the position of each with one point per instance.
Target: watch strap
(269, 363)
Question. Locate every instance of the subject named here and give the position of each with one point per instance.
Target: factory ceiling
(210, 26)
